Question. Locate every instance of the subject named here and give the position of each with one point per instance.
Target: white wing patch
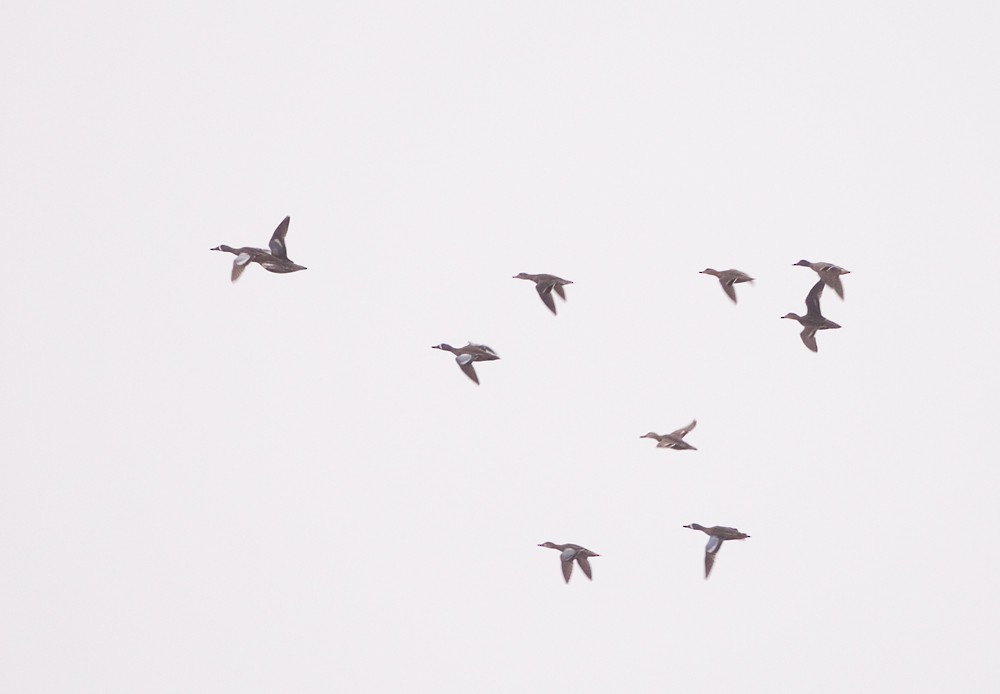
(242, 259)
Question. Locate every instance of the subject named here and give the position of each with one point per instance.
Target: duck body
(728, 279)
(813, 320)
(465, 356)
(273, 260)
(569, 553)
(829, 273)
(674, 439)
(717, 534)
(545, 285)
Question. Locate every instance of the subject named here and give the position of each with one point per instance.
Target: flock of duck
(276, 260)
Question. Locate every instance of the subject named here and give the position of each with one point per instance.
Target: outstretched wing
(560, 291)
(567, 568)
(239, 265)
(727, 286)
(711, 549)
(681, 433)
(812, 299)
(585, 565)
(465, 363)
(808, 336)
(545, 293)
(832, 279)
(277, 243)
(676, 444)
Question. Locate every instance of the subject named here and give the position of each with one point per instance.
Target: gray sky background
(277, 486)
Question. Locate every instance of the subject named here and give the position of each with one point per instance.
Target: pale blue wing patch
(465, 364)
(239, 265)
(278, 249)
(713, 545)
(277, 242)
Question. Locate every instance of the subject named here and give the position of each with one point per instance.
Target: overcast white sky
(277, 486)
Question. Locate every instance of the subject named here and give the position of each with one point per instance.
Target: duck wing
(545, 294)
(728, 288)
(812, 299)
(832, 278)
(277, 242)
(465, 364)
(239, 265)
(560, 291)
(808, 336)
(676, 444)
(682, 432)
(567, 568)
(711, 549)
(481, 352)
(584, 563)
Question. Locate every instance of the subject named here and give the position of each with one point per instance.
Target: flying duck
(829, 273)
(275, 260)
(813, 320)
(717, 534)
(545, 285)
(728, 278)
(674, 439)
(464, 356)
(570, 552)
